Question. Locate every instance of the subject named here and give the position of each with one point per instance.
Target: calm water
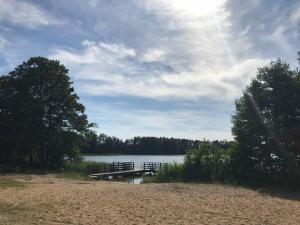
(138, 162)
(137, 159)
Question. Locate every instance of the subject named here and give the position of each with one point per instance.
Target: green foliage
(84, 167)
(79, 166)
(171, 173)
(72, 176)
(159, 145)
(41, 121)
(77, 170)
(209, 162)
(104, 144)
(8, 182)
(267, 111)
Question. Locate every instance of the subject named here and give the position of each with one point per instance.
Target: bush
(209, 162)
(83, 167)
(171, 173)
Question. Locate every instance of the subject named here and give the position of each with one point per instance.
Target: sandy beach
(45, 199)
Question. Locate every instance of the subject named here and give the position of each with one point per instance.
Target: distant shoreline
(117, 154)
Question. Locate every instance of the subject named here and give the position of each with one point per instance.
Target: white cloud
(24, 14)
(120, 50)
(285, 32)
(97, 61)
(295, 15)
(94, 52)
(224, 85)
(153, 55)
(159, 49)
(186, 8)
(280, 37)
(201, 55)
(3, 42)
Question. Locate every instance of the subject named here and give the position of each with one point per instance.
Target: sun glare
(197, 8)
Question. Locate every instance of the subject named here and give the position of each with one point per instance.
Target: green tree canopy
(268, 109)
(41, 121)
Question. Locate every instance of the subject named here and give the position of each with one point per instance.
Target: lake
(138, 162)
(137, 159)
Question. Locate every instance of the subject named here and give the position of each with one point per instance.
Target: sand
(45, 199)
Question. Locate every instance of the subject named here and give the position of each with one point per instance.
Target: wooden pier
(126, 169)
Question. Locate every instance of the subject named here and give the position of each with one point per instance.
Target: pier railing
(151, 167)
(122, 166)
(110, 167)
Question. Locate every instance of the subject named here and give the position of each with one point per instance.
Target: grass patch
(70, 170)
(171, 173)
(80, 170)
(73, 176)
(22, 213)
(6, 208)
(149, 179)
(14, 214)
(83, 167)
(9, 182)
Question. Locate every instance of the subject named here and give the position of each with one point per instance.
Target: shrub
(209, 162)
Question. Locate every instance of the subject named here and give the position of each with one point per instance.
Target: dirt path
(48, 200)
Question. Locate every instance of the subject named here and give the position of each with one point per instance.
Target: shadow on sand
(280, 192)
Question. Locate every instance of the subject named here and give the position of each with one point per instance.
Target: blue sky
(154, 67)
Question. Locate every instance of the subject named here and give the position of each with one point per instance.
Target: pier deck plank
(115, 173)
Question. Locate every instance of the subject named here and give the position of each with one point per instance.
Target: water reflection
(127, 179)
(138, 163)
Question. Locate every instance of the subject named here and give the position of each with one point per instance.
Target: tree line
(104, 144)
(266, 128)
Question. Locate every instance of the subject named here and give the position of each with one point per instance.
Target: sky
(168, 68)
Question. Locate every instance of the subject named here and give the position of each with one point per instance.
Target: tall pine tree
(41, 120)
